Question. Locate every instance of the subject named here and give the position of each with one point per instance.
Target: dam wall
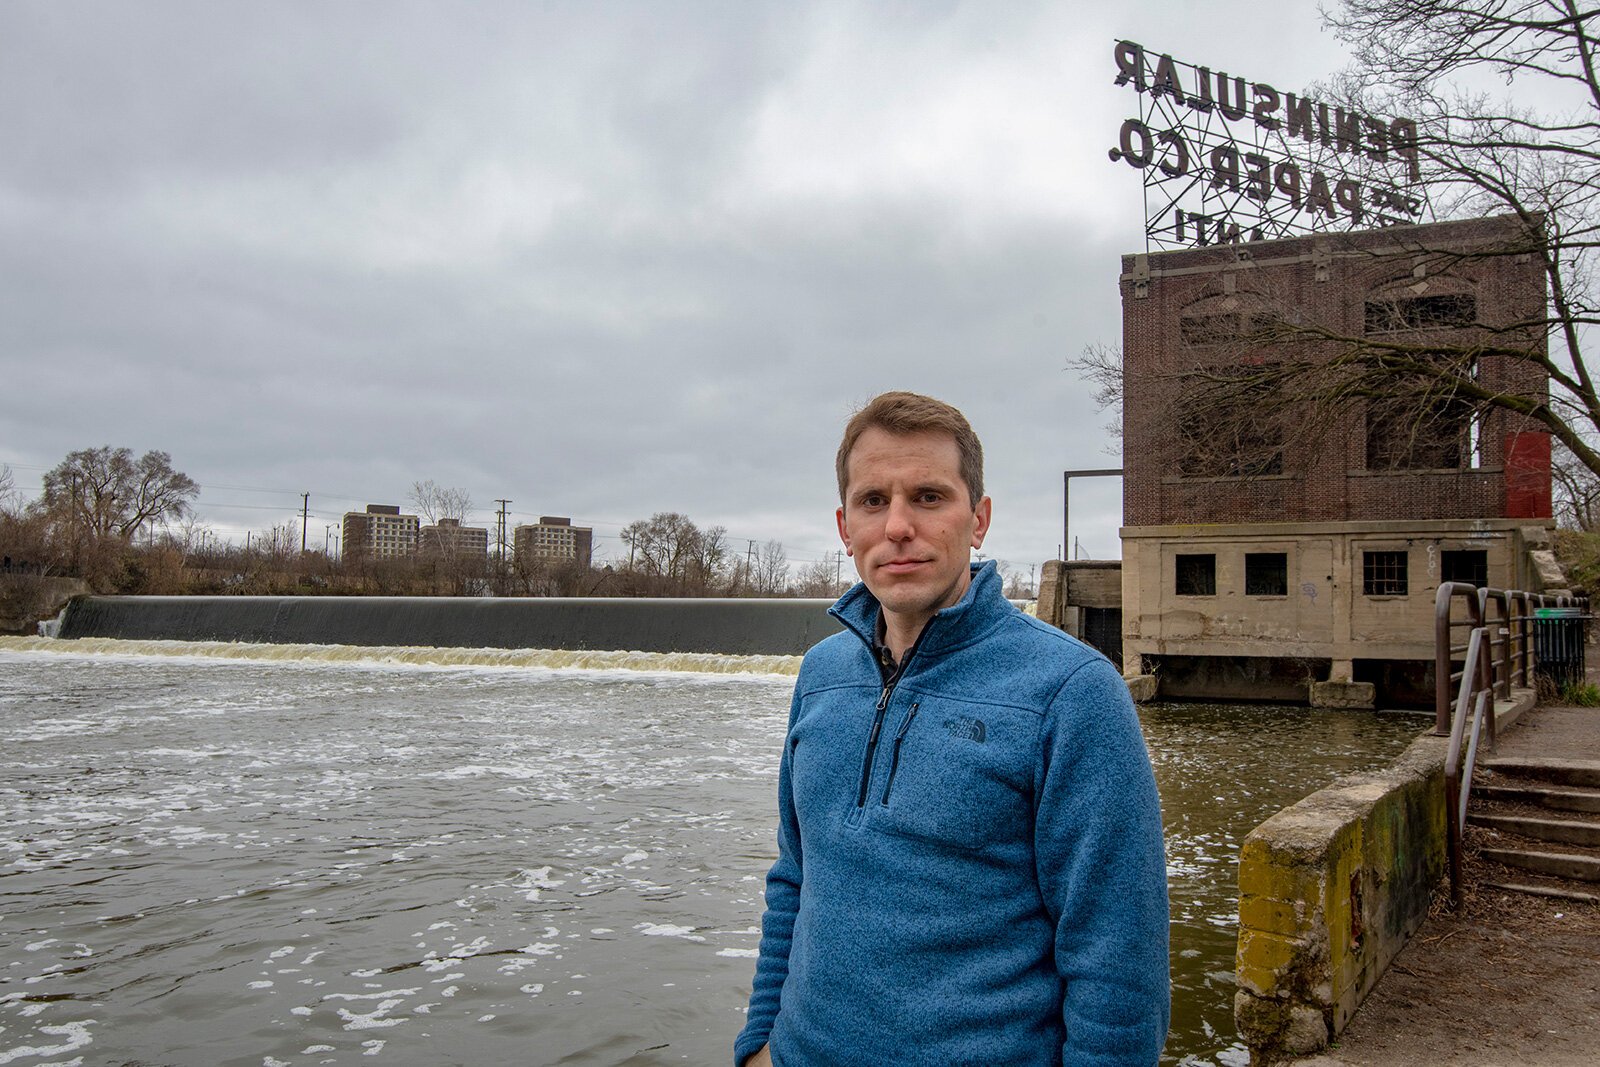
(730, 627)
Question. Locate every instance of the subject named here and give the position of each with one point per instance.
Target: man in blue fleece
(970, 867)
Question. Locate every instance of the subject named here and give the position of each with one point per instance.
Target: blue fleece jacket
(970, 866)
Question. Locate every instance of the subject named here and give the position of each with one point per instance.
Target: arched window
(1223, 319)
(1411, 303)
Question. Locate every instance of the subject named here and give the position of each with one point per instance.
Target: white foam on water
(419, 658)
(667, 930)
(75, 1033)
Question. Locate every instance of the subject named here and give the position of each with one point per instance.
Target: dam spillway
(753, 627)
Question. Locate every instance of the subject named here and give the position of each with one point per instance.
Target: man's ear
(981, 526)
(844, 534)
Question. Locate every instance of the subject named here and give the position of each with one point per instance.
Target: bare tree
(108, 493)
(829, 576)
(435, 502)
(771, 571)
(1577, 493)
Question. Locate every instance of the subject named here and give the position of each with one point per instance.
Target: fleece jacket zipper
(894, 756)
(872, 740)
(877, 718)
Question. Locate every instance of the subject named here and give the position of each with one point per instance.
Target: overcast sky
(600, 258)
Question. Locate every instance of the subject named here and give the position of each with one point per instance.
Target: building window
(1223, 327)
(1266, 574)
(1232, 428)
(1441, 311)
(1383, 573)
(1408, 435)
(1465, 565)
(1197, 575)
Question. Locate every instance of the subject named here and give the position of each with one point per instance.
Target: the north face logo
(961, 726)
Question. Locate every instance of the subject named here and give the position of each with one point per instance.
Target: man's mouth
(902, 566)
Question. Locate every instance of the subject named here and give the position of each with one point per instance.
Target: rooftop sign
(1227, 160)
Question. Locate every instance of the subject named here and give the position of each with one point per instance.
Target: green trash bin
(1558, 640)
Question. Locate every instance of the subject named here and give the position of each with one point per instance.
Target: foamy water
(548, 658)
(231, 854)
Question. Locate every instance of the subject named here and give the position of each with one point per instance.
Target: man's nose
(900, 525)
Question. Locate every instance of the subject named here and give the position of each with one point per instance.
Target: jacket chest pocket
(955, 776)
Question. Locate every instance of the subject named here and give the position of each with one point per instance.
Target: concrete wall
(27, 600)
(1052, 599)
(732, 627)
(1325, 616)
(1330, 890)
(1064, 587)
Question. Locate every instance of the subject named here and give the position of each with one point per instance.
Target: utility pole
(305, 513)
(327, 535)
(500, 547)
(500, 529)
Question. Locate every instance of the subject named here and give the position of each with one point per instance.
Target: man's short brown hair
(907, 413)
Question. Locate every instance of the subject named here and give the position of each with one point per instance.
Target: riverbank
(1506, 980)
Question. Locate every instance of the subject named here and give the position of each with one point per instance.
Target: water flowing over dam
(743, 627)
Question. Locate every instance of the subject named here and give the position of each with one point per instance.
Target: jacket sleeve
(1102, 870)
(783, 903)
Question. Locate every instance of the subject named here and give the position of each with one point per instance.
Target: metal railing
(1496, 656)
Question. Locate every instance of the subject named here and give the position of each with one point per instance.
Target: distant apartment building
(553, 538)
(380, 532)
(451, 539)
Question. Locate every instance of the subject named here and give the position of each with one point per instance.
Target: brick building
(450, 539)
(553, 539)
(1304, 545)
(380, 532)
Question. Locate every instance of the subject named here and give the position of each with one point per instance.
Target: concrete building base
(1361, 695)
(1142, 687)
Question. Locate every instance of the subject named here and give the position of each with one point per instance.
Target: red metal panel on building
(1527, 459)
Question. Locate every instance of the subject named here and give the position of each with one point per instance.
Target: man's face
(908, 521)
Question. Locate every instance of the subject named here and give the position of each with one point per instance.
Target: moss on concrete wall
(1330, 890)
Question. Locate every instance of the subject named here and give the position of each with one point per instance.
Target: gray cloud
(603, 259)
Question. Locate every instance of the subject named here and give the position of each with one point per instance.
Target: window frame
(1178, 576)
(1283, 573)
(1377, 584)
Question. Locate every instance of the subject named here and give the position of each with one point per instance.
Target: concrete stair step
(1544, 796)
(1556, 864)
(1553, 892)
(1575, 772)
(1564, 831)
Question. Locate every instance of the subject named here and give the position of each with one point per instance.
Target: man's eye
(872, 501)
(930, 497)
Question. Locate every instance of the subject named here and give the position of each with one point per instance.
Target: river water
(270, 855)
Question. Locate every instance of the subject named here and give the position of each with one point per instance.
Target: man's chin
(904, 599)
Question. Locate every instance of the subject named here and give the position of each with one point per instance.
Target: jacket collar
(979, 608)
